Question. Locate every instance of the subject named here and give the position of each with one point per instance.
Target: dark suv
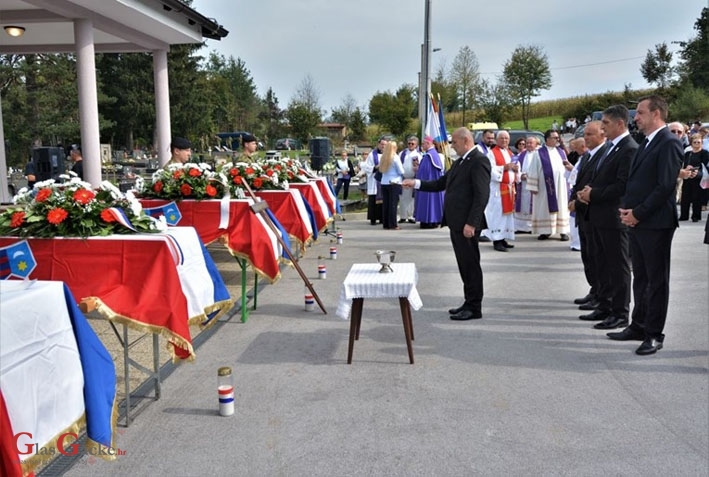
(288, 144)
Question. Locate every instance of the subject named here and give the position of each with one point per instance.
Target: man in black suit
(649, 208)
(467, 186)
(595, 142)
(608, 234)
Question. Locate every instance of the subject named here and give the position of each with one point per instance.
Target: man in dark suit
(467, 186)
(649, 208)
(609, 235)
(595, 142)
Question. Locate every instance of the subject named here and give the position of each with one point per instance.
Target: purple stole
(483, 147)
(518, 198)
(549, 177)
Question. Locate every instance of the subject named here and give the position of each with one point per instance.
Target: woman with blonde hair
(392, 175)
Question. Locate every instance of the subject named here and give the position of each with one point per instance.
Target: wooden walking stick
(260, 206)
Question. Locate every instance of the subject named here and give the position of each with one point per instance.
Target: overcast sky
(359, 47)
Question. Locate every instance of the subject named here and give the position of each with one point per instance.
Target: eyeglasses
(412, 144)
(676, 131)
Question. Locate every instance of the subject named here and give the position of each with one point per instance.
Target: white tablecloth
(365, 281)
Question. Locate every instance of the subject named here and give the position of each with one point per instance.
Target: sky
(361, 47)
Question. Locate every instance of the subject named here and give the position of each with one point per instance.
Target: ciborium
(385, 258)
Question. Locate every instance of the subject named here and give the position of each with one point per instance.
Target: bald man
(499, 212)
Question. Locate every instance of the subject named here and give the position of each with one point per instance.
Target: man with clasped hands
(467, 187)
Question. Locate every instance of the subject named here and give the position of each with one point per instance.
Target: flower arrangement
(184, 181)
(74, 209)
(267, 174)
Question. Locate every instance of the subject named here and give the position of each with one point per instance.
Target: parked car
(515, 134)
(288, 144)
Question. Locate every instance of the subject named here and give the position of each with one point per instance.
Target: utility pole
(425, 76)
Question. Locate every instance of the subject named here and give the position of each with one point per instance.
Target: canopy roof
(118, 25)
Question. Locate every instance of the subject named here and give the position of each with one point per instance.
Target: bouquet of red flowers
(184, 181)
(74, 209)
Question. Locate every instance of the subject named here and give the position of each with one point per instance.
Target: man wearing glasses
(677, 129)
(410, 158)
(546, 180)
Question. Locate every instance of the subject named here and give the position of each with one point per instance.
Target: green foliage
(657, 66)
(526, 75)
(465, 78)
(358, 125)
(271, 118)
(695, 66)
(690, 105)
(394, 111)
(302, 119)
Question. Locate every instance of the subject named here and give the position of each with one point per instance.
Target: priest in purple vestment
(428, 206)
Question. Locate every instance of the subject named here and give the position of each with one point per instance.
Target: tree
(526, 74)
(343, 113)
(694, 68)
(238, 101)
(394, 111)
(465, 78)
(691, 104)
(495, 100)
(443, 87)
(657, 67)
(271, 117)
(358, 125)
(304, 112)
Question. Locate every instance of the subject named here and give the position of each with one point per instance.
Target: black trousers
(340, 184)
(612, 266)
(650, 254)
(467, 254)
(390, 204)
(692, 195)
(587, 253)
(374, 209)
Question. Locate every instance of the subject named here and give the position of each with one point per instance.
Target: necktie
(605, 154)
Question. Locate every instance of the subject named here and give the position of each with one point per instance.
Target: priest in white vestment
(546, 180)
(499, 211)
(523, 198)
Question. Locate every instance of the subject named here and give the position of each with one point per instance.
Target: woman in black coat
(692, 174)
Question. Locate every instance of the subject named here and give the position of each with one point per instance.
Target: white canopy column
(88, 100)
(4, 192)
(162, 106)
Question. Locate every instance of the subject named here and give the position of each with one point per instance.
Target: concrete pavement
(528, 390)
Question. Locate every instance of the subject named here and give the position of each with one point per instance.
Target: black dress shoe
(564, 238)
(467, 315)
(586, 299)
(627, 334)
(649, 346)
(611, 323)
(411, 221)
(401, 221)
(507, 245)
(499, 247)
(595, 315)
(590, 305)
(484, 239)
(455, 311)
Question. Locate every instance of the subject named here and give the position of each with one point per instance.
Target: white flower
(110, 187)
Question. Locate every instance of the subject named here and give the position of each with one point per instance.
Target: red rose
(57, 215)
(176, 174)
(278, 167)
(233, 172)
(290, 175)
(186, 189)
(211, 190)
(237, 180)
(107, 216)
(195, 172)
(258, 182)
(157, 187)
(17, 219)
(43, 194)
(249, 170)
(83, 196)
(269, 172)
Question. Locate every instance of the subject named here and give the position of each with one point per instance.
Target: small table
(365, 281)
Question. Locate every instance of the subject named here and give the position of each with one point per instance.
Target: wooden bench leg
(408, 326)
(355, 322)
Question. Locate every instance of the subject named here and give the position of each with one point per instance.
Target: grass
(535, 124)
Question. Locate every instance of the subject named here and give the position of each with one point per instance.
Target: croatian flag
(16, 260)
(121, 217)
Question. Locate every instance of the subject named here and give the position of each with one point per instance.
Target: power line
(579, 66)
